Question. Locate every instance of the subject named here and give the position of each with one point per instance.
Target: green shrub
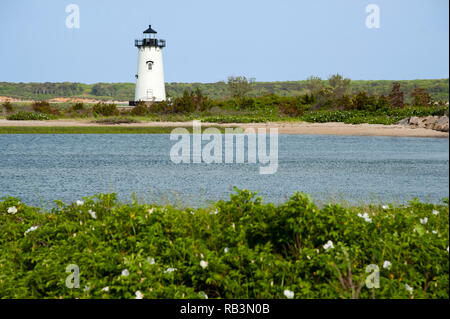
(28, 116)
(140, 109)
(116, 120)
(8, 107)
(240, 248)
(44, 107)
(105, 109)
(77, 107)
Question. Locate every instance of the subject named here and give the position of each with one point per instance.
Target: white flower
(214, 212)
(151, 261)
(447, 248)
(385, 207)
(387, 264)
(289, 294)
(151, 210)
(105, 289)
(410, 289)
(203, 294)
(328, 245)
(203, 264)
(32, 228)
(424, 220)
(366, 217)
(435, 212)
(12, 210)
(434, 232)
(93, 214)
(139, 295)
(225, 250)
(80, 202)
(169, 270)
(86, 288)
(125, 272)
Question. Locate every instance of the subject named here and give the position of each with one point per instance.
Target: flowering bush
(240, 248)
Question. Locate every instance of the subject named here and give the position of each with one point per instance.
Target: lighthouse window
(150, 65)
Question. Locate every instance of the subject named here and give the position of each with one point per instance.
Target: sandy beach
(301, 128)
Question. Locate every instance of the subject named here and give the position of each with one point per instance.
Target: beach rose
(203, 264)
(80, 203)
(32, 228)
(435, 212)
(366, 217)
(328, 245)
(424, 220)
(12, 210)
(289, 294)
(125, 272)
(139, 295)
(409, 288)
(93, 214)
(387, 264)
(169, 270)
(225, 250)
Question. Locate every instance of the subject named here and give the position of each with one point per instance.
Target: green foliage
(44, 107)
(340, 85)
(28, 116)
(116, 120)
(379, 116)
(239, 86)
(8, 107)
(77, 107)
(396, 97)
(362, 101)
(240, 248)
(105, 109)
(438, 89)
(420, 97)
(140, 109)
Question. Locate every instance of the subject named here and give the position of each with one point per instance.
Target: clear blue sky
(209, 40)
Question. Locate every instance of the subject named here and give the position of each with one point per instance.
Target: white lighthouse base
(150, 86)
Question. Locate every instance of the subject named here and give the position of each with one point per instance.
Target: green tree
(396, 97)
(239, 86)
(340, 85)
(420, 97)
(314, 84)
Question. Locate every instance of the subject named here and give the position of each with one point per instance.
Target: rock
(405, 121)
(414, 121)
(438, 123)
(429, 121)
(442, 124)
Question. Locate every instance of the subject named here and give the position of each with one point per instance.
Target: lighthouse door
(149, 94)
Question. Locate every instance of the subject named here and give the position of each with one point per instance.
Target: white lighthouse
(150, 73)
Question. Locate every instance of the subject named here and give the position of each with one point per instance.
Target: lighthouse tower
(150, 73)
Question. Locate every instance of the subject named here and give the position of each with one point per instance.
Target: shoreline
(299, 128)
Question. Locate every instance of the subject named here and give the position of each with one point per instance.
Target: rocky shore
(437, 123)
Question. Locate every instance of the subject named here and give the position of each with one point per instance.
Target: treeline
(438, 89)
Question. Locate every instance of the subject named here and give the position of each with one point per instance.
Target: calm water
(41, 168)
